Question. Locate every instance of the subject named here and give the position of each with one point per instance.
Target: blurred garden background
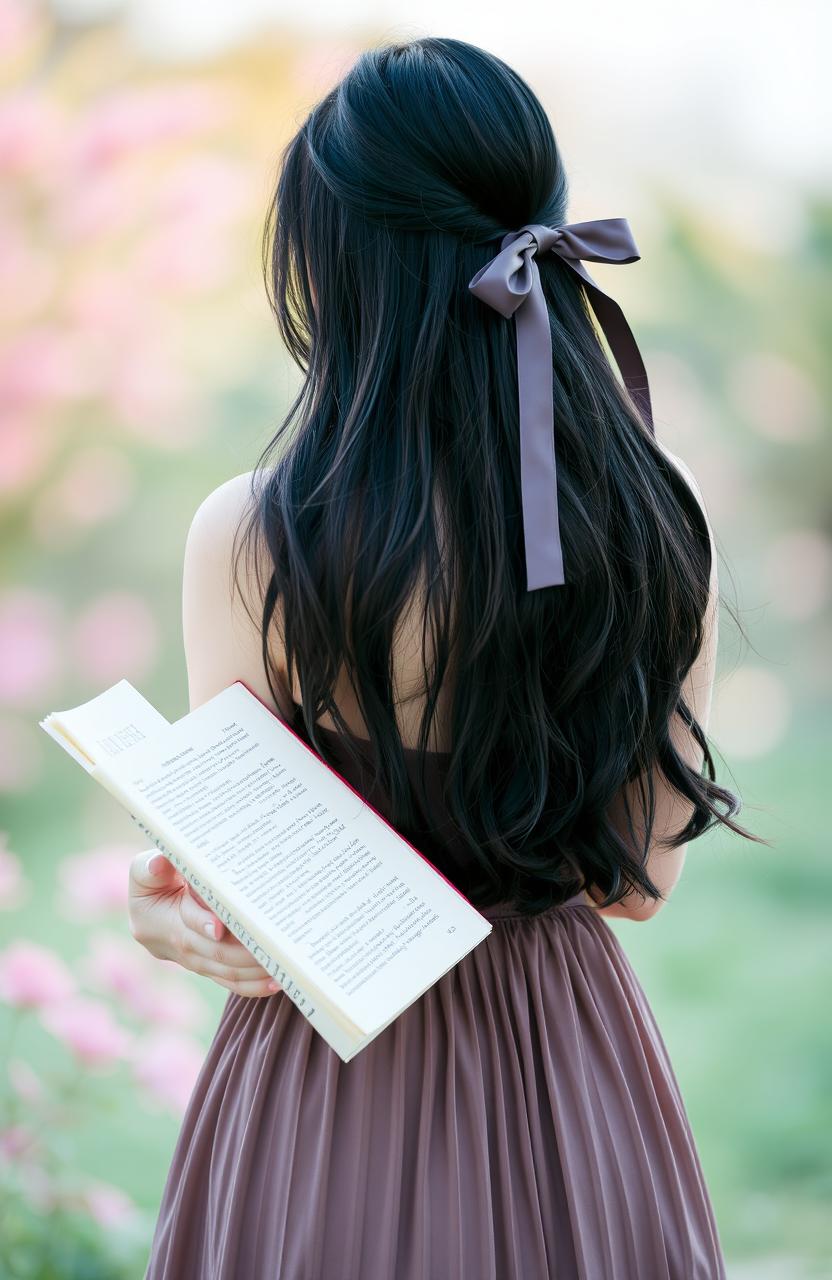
(139, 368)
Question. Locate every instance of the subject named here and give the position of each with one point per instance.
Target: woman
(513, 663)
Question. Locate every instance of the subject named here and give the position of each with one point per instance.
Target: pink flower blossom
(88, 1028)
(42, 367)
(115, 964)
(107, 1205)
(123, 121)
(103, 204)
(30, 652)
(114, 636)
(174, 1004)
(31, 133)
(167, 1065)
(94, 882)
(32, 976)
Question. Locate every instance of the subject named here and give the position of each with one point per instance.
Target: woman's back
(480, 587)
(521, 1121)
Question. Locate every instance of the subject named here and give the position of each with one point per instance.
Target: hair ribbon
(510, 283)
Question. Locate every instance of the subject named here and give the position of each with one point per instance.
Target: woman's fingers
(218, 957)
(198, 915)
(151, 873)
(171, 924)
(203, 922)
(257, 987)
(227, 959)
(245, 979)
(219, 927)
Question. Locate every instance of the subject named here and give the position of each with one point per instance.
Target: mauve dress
(520, 1121)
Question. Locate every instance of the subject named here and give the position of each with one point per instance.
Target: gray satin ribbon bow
(510, 283)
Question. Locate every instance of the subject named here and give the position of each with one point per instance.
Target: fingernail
(154, 864)
(210, 928)
(272, 986)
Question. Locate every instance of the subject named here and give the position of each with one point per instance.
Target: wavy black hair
(396, 470)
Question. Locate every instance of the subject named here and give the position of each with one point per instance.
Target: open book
(352, 921)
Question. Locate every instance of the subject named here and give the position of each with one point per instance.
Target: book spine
(325, 1025)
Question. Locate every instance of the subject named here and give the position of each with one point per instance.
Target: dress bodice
(433, 834)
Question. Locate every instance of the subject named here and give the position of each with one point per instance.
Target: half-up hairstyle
(396, 471)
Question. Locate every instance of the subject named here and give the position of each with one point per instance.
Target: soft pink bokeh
(120, 967)
(30, 645)
(190, 245)
(32, 976)
(14, 887)
(150, 395)
(108, 1205)
(32, 134)
(202, 191)
(120, 123)
(26, 1083)
(175, 1005)
(167, 1064)
(797, 571)
(43, 366)
(95, 486)
(19, 24)
(104, 307)
(28, 276)
(26, 445)
(776, 398)
(87, 1027)
(321, 64)
(113, 637)
(185, 259)
(16, 1141)
(104, 203)
(94, 882)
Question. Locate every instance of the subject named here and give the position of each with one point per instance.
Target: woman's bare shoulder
(219, 513)
(222, 586)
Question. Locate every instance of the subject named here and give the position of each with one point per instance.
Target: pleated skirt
(520, 1121)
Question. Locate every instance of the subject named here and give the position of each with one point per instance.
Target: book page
(114, 721)
(365, 915)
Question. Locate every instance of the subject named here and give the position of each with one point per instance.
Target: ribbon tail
(622, 344)
(538, 469)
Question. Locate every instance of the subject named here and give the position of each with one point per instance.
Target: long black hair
(396, 470)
